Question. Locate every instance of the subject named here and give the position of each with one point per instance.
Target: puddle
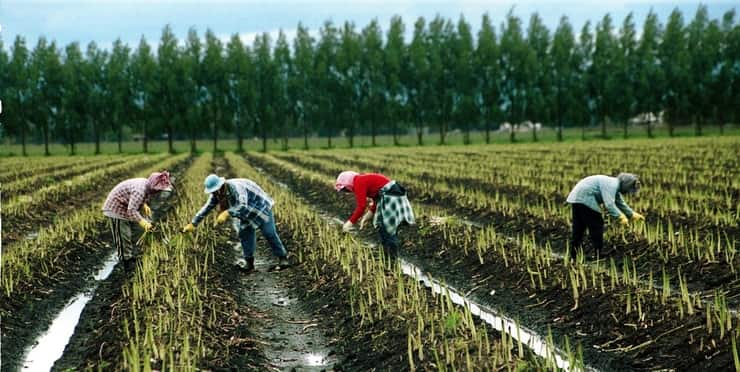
(498, 321)
(50, 345)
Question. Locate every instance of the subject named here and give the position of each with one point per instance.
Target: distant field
(432, 138)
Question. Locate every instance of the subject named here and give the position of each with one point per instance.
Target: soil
(30, 311)
(27, 227)
(657, 341)
(700, 276)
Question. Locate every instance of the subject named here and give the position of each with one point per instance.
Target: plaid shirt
(246, 200)
(393, 208)
(126, 198)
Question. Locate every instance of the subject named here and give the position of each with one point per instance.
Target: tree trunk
(603, 126)
(670, 129)
(215, 137)
(372, 131)
(169, 139)
(305, 134)
(96, 133)
(329, 141)
(23, 141)
(698, 125)
(351, 136)
(488, 132)
(120, 135)
(264, 141)
(72, 143)
(394, 128)
(625, 129)
(285, 135)
(560, 132)
(419, 131)
(650, 129)
(146, 137)
(442, 132)
(583, 132)
(512, 134)
(466, 136)
(193, 144)
(45, 131)
(534, 133)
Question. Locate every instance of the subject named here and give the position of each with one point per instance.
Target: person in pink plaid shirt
(123, 205)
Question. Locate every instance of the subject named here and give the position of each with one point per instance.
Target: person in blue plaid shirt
(250, 208)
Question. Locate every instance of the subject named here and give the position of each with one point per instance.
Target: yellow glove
(367, 217)
(637, 217)
(348, 226)
(623, 220)
(146, 225)
(147, 211)
(188, 228)
(222, 217)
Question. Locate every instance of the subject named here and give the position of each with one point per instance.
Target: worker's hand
(188, 228)
(623, 220)
(367, 217)
(348, 226)
(222, 217)
(637, 217)
(146, 225)
(147, 210)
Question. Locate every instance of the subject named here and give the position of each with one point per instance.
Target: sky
(103, 21)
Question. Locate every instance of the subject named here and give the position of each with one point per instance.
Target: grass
(547, 135)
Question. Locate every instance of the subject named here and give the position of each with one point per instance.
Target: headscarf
(628, 183)
(159, 181)
(345, 180)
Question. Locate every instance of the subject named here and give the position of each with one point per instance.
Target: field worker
(585, 199)
(250, 208)
(387, 197)
(126, 204)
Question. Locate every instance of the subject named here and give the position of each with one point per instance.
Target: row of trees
(352, 81)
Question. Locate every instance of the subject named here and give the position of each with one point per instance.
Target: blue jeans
(390, 242)
(248, 237)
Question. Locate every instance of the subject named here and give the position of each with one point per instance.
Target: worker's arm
(207, 208)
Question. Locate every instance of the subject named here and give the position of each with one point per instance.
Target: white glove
(348, 226)
(367, 217)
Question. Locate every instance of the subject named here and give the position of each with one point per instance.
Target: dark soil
(667, 342)
(700, 276)
(15, 229)
(33, 306)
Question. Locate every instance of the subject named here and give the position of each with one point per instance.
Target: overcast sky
(105, 20)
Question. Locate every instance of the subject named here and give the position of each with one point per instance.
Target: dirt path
(292, 334)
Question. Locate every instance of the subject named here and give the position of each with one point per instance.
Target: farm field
(492, 226)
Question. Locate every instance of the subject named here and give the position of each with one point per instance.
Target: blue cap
(213, 183)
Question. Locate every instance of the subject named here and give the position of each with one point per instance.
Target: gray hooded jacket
(594, 190)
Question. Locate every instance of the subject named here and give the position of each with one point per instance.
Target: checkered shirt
(247, 202)
(125, 199)
(393, 210)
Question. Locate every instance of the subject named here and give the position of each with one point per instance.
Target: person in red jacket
(389, 206)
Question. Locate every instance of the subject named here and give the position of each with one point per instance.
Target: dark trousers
(587, 218)
(390, 241)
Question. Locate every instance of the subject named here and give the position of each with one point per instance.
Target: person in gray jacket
(585, 200)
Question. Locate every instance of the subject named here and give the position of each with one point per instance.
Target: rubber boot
(249, 267)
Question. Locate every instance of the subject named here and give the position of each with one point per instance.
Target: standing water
(50, 345)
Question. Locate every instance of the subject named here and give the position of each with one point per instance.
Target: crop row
(653, 310)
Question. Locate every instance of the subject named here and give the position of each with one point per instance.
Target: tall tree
(674, 61)
(283, 71)
(301, 83)
(47, 80)
(514, 54)
(168, 86)
(728, 76)
(372, 80)
(17, 96)
(118, 88)
(487, 69)
(326, 79)
(539, 84)
(396, 93)
(348, 73)
(416, 78)
(265, 77)
(195, 93)
(649, 77)
(95, 64)
(584, 55)
(627, 74)
(564, 74)
(238, 71)
(605, 63)
(143, 80)
(703, 46)
(214, 85)
(464, 77)
(73, 98)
